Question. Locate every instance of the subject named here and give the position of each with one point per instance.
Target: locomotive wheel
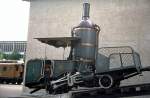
(1, 81)
(13, 81)
(106, 81)
(7, 82)
(19, 82)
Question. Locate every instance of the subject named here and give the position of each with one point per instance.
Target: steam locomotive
(86, 66)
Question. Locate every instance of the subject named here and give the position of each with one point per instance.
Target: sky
(14, 19)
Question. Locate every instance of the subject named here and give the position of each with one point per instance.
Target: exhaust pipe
(86, 11)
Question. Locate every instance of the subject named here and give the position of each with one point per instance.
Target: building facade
(10, 46)
(122, 22)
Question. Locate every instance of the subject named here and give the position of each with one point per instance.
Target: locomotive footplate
(123, 91)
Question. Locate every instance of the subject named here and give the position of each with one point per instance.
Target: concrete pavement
(16, 91)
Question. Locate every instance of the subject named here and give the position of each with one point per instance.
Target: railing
(121, 57)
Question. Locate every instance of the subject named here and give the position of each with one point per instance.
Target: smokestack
(86, 10)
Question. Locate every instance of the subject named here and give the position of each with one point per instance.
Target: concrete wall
(122, 22)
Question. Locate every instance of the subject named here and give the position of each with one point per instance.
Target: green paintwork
(62, 66)
(33, 70)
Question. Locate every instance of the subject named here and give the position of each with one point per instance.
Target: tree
(2, 55)
(13, 56)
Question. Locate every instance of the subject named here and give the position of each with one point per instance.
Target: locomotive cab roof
(59, 41)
